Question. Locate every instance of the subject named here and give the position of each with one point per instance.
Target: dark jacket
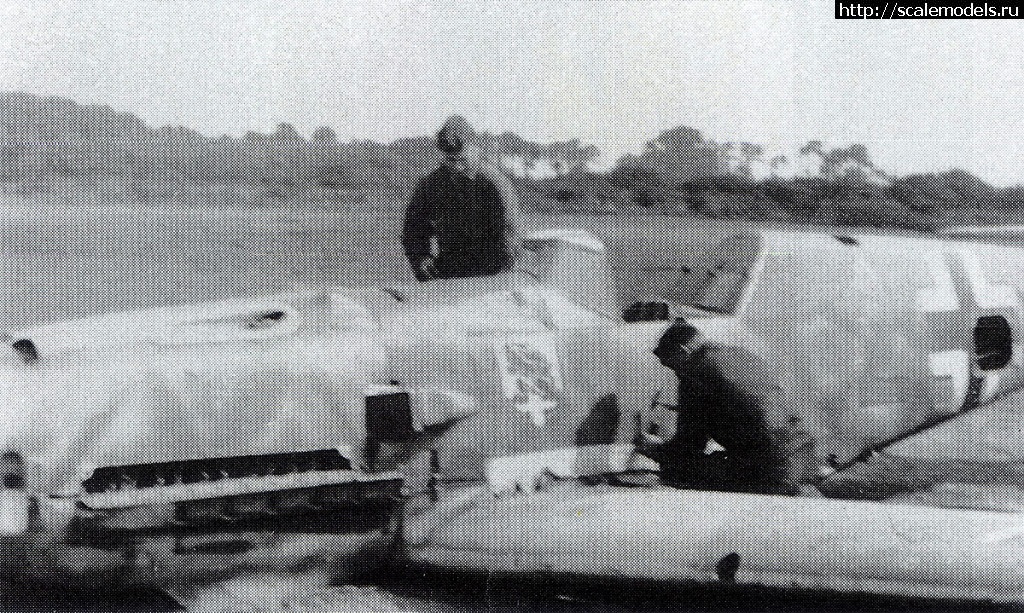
(468, 217)
(731, 396)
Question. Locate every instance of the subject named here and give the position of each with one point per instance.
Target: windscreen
(574, 263)
(717, 279)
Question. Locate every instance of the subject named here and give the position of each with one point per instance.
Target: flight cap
(454, 133)
(681, 335)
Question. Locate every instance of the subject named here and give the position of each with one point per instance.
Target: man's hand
(425, 269)
(651, 440)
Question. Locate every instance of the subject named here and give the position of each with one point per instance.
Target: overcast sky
(923, 95)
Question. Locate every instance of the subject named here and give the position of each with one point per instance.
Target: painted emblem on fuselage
(530, 377)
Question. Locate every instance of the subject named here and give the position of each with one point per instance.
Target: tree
(324, 135)
(837, 162)
(935, 191)
(569, 155)
(680, 155)
(286, 132)
(751, 151)
(813, 146)
(679, 139)
(255, 137)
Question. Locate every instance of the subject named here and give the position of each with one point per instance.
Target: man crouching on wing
(461, 220)
(729, 396)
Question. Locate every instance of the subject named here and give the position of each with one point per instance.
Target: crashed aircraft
(463, 423)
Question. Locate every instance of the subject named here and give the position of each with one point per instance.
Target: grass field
(68, 255)
(62, 259)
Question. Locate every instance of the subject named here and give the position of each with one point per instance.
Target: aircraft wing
(684, 537)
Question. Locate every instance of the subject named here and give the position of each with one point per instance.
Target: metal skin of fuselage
(173, 445)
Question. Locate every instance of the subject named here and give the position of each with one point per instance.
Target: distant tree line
(682, 171)
(678, 172)
(55, 137)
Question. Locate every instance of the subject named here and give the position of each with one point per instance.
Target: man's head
(678, 344)
(457, 140)
(454, 134)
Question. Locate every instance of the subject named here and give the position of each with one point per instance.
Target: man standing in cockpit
(461, 219)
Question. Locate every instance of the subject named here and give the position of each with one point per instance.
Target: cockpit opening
(993, 342)
(713, 279)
